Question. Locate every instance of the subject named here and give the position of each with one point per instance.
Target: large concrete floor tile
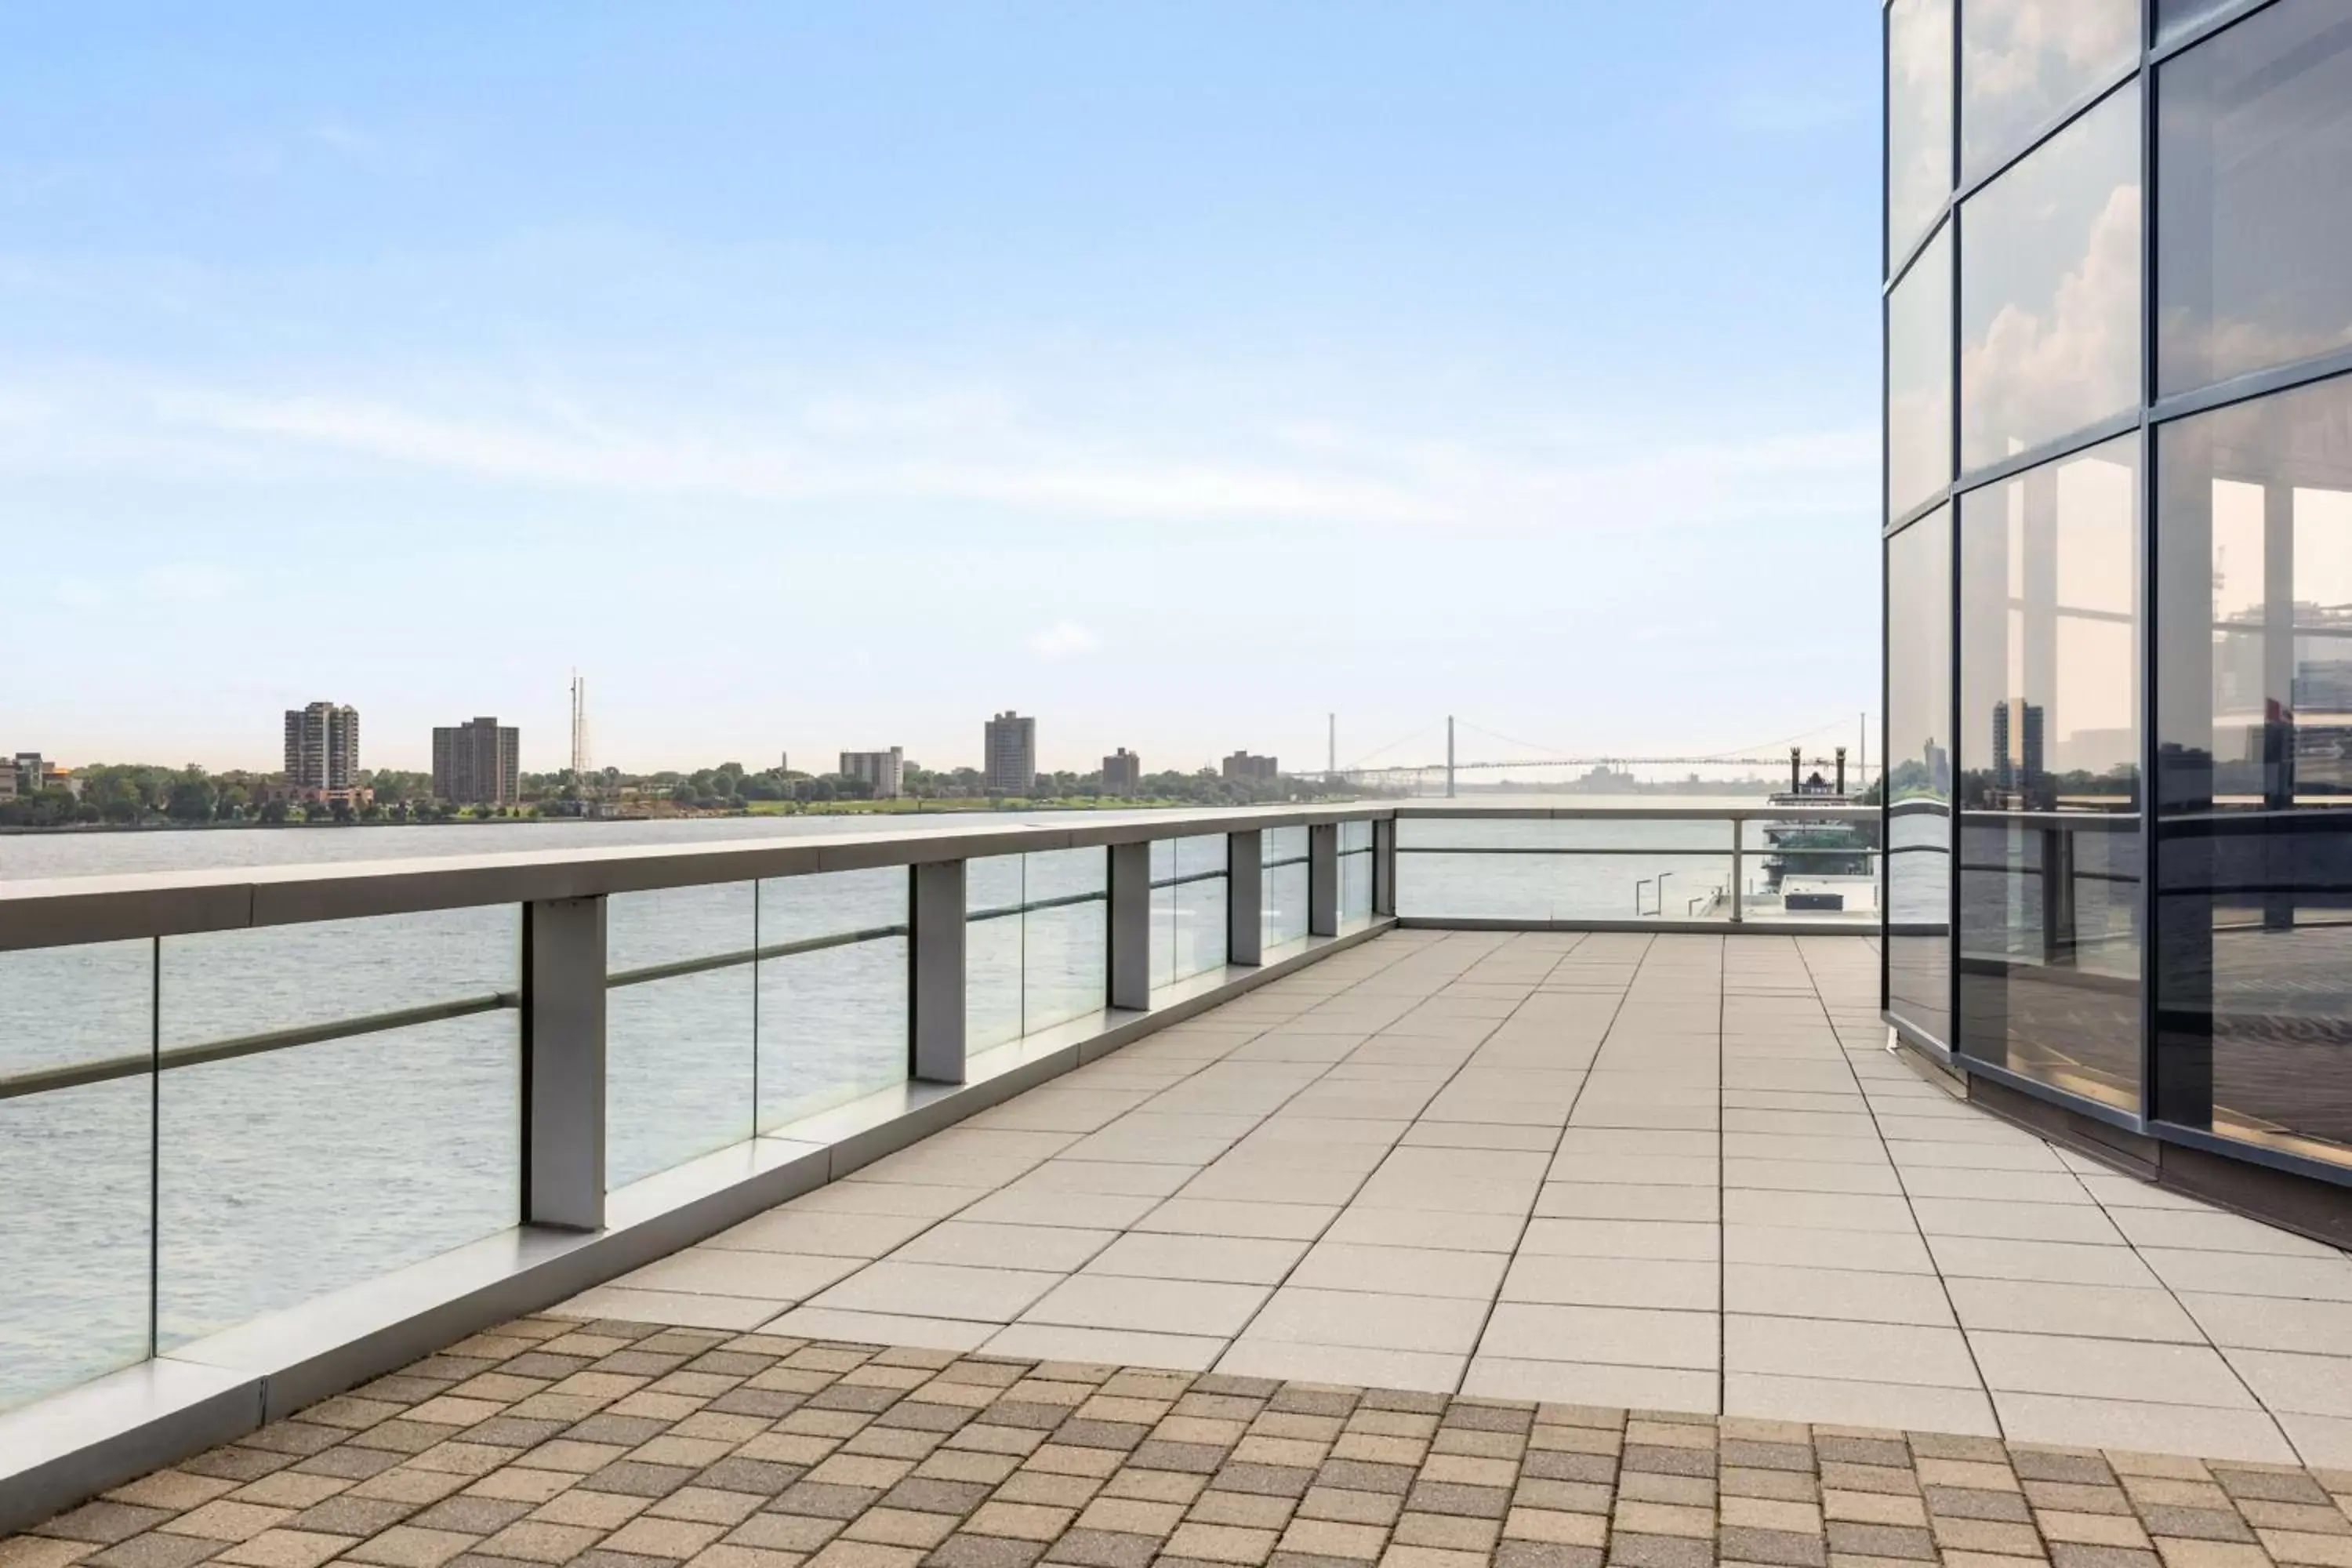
(1104, 1176)
(2305, 1384)
(1619, 1238)
(2055, 1262)
(1847, 1352)
(973, 1244)
(1671, 1283)
(1878, 1251)
(1818, 1211)
(2225, 1273)
(867, 1236)
(1054, 1109)
(1350, 1366)
(1228, 1181)
(2107, 1369)
(1811, 1176)
(1434, 1134)
(1205, 1216)
(2119, 1423)
(2085, 1222)
(1367, 1321)
(1056, 1341)
(1402, 1270)
(1362, 1224)
(1195, 1306)
(2214, 1231)
(1396, 1190)
(767, 1276)
(1617, 1200)
(2095, 1312)
(1643, 1170)
(687, 1309)
(2002, 1187)
(884, 1198)
(1230, 1259)
(2271, 1322)
(882, 1329)
(1082, 1211)
(2319, 1440)
(1788, 1291)
(1590, 1383)
(1607, 1335)
(938, 1290)
(1890, 1406)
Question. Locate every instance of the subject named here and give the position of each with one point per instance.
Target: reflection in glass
(1918, 119)
(2177, 19)
(2050, 300)
(2023, 61)
(1065, 958)
(283, 1175)
(1188, 907)
(2254, 151)
(1920, 778)
(1355, 875)
(2254, 758)
(1919, 379)
(1571, 887)
(1283, 913)
(832, 1020)
(991, 950)
(2049, 773)
(680, 1033)
(75, 1165)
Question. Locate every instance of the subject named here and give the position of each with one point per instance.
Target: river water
(155, 1208)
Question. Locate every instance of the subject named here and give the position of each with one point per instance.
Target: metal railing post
(564, 1063)
(1384, 865)
(1739, 847)
(1130, 925)
(1323, 878)
(1244, 898)
(935, 996)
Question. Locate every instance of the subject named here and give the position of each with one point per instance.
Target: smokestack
(1841, 770)
(1796, 770)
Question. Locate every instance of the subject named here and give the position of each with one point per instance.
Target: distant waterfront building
(1010, 754)
(323, 749)
(2017, 729)
(1122, 773)
(885, 771)
(1241, 765)
(475, 764)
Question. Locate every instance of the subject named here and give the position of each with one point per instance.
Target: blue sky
(817, 377)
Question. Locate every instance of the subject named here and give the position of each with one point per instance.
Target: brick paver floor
(618, 1445)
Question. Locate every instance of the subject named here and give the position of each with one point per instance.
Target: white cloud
(1064, 639)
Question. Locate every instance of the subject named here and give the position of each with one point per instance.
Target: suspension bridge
(1806, 753)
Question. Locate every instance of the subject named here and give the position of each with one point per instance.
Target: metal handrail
(675, 967)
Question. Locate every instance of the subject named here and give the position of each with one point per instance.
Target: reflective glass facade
(2119, 558)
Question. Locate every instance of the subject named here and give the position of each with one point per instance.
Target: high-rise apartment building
(2118, 467)
(1122, 773)
(1241, 765)
(476, 764)
(885, 771)
(322, 748)
(1010, 754)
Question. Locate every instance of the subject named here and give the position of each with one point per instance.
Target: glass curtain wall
(2144, 520)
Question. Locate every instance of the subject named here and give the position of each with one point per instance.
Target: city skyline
(382, 323)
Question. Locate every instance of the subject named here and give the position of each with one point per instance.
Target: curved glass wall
(1919, 379)
(1919, 120)
(2254, 159)
(2049, 295)
(2253, 908)
(1919, 776)
(2023, 62)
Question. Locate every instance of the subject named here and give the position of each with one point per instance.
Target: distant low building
(1122, 773)
(476, 764)
(1009, 754)
(885, 771)
(1241, 765)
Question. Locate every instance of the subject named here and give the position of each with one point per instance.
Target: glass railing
(217, 1103)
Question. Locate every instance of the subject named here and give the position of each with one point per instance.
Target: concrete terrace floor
(1672, 1173)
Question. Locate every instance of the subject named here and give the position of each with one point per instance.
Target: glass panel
(1282, 914)
(1163, 912)
(1276, 844)
(2254, 144)
(2023, 61)
(991, 950)
(1197, 914)
(2050, 289)
(1918, 118)
(283, 1175)
(1919, 379)
(2254, 838)
(679, 1051)
(1628, 832)
(1919, 782)
(2049, 942)
(1355, 888)
(1065, 958)
(75, 1166)
(833, 1021)
(2174, 18)
(1571, 887)
(1355, 835)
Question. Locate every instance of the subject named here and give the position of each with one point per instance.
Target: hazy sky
(825, 376)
